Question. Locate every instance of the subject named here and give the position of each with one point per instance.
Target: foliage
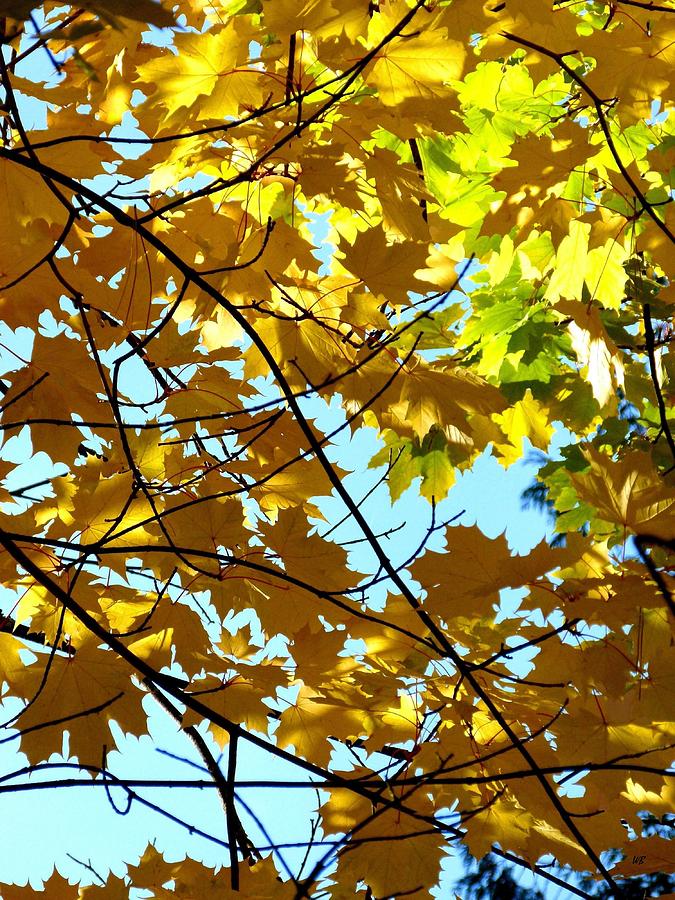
(186, 359)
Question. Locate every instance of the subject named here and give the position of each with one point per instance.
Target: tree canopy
(235, 234)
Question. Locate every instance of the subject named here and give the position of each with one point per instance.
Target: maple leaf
(628, 492)
(30, 219)
(525, 419)
(380, 264)
(10, 657)
(204, 67)
(405, 871)
(56, 888)
(595, 350)
(454, 586)
(412, 65)
(307, 723)
(84, 691)
(639, 69)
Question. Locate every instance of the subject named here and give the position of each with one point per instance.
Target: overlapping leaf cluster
(258, 206)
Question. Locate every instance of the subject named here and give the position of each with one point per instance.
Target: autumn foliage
(238, 234)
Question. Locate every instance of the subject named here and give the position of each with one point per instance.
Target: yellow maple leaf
(55, 888)
(401, 860)
(239, 699)
(628, 492)
(567, 280)
(525, 419)
(310, 720)
(304, 555)
(417, 64)
(209, 68)
(594, 348)
(83, 693)
(634, 62)
(386, 268)
(465, 579)
(31, 217)
(9, 657)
